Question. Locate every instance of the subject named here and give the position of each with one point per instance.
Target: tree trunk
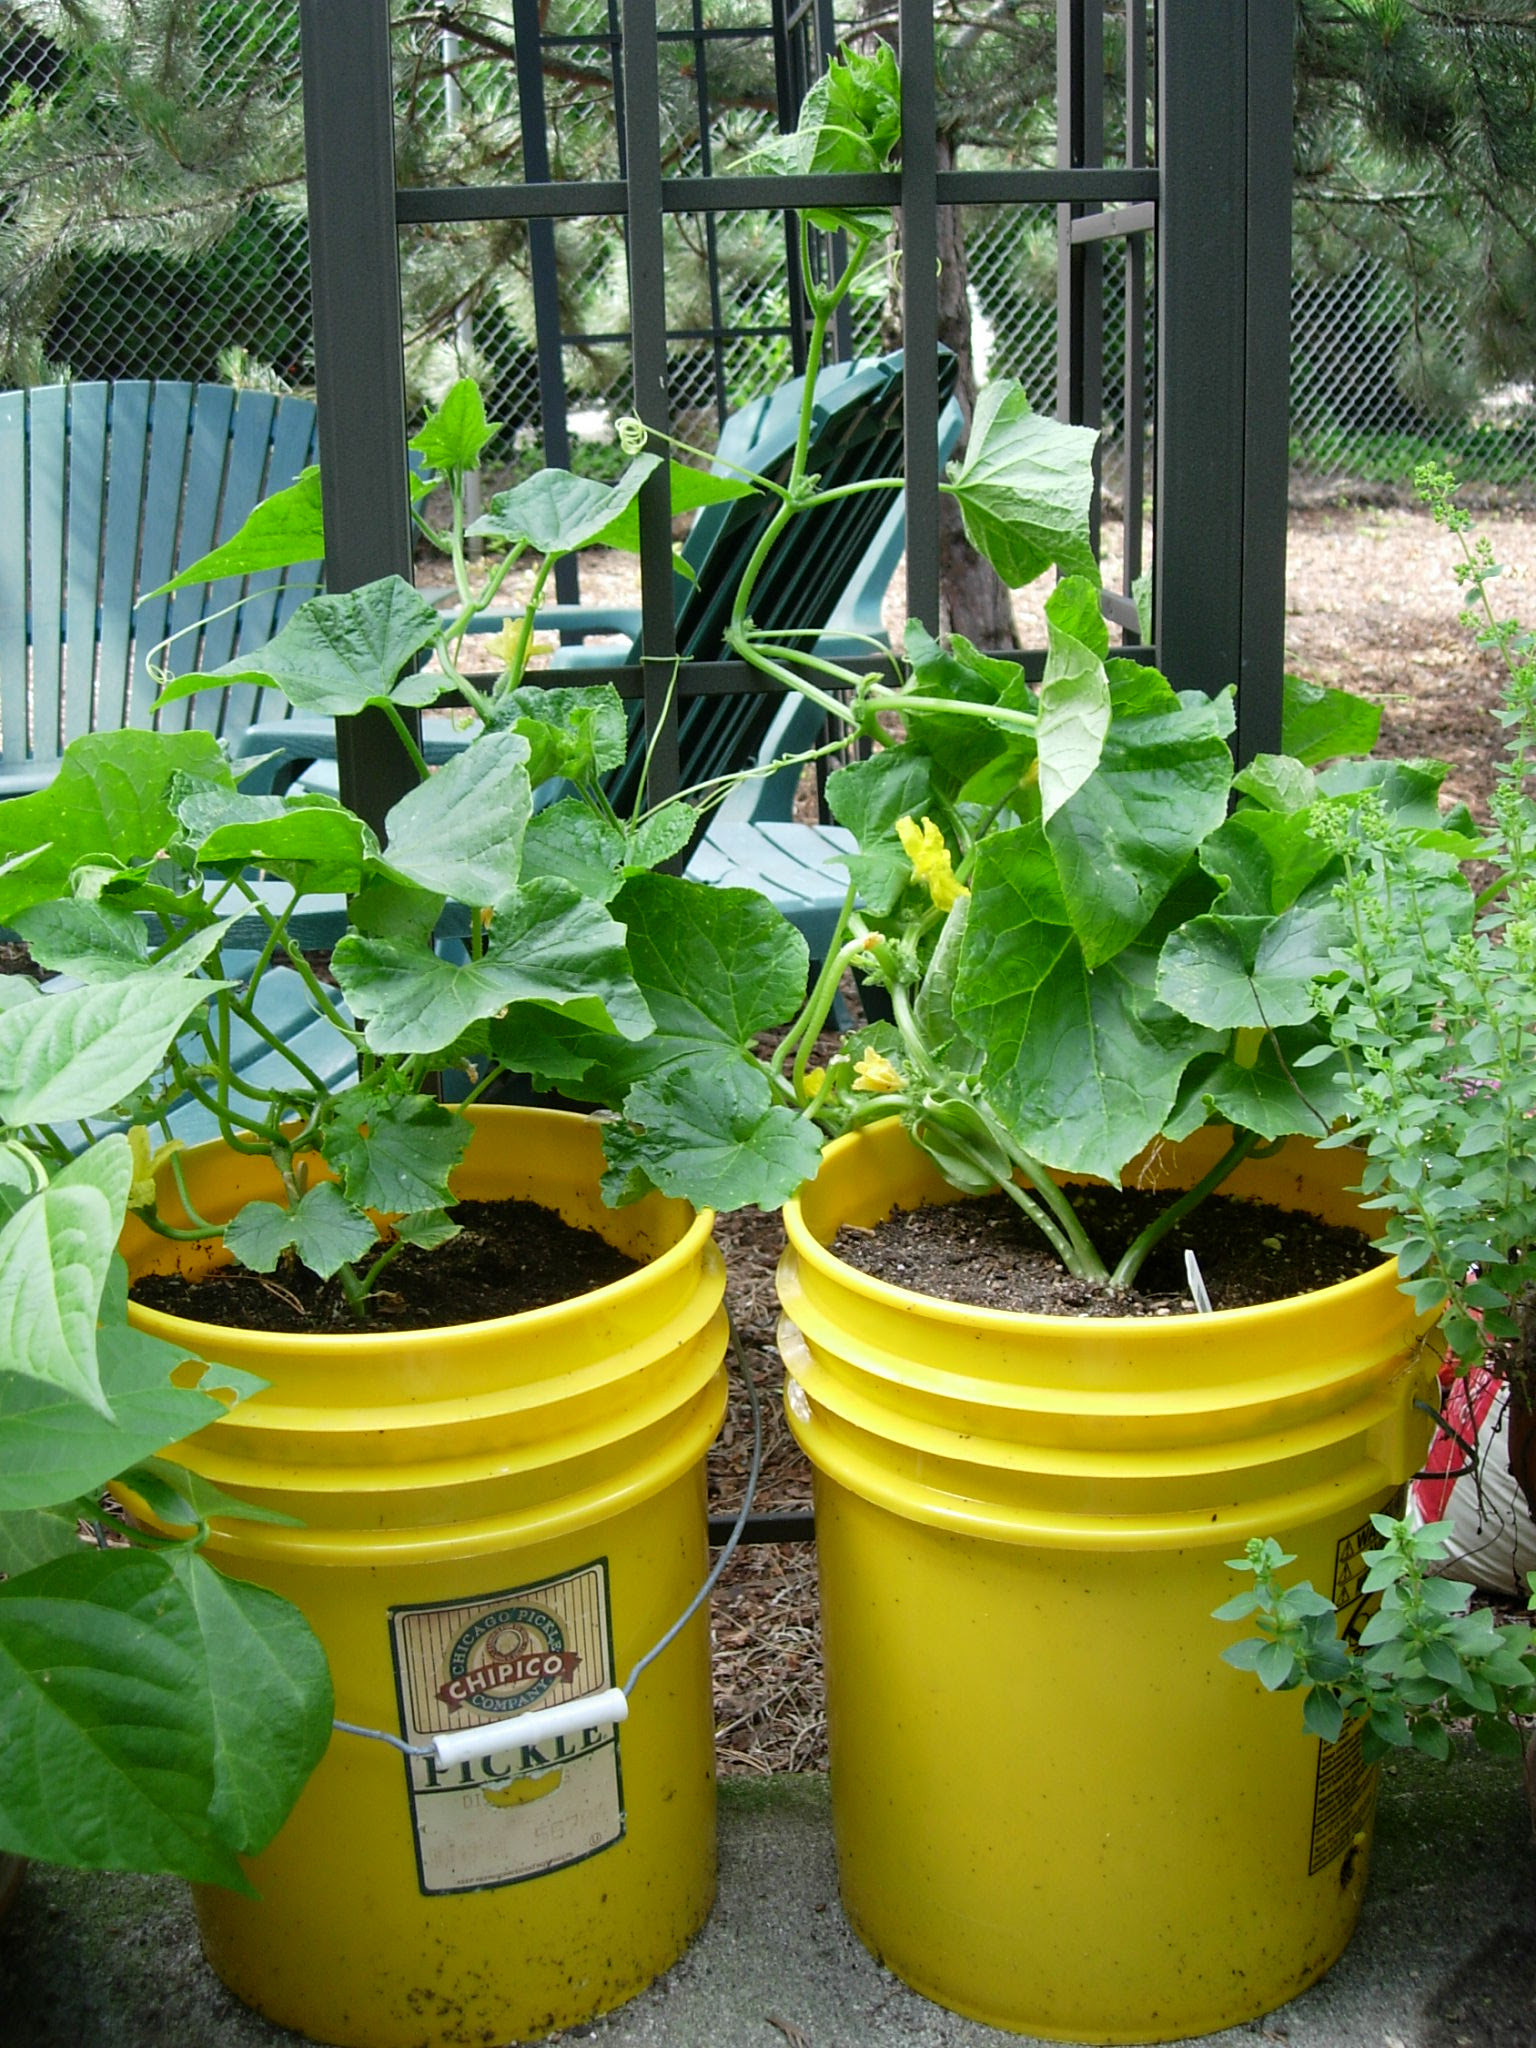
(973, 599)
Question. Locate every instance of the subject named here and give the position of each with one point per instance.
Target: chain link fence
(125, 259)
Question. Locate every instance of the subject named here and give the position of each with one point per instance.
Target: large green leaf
(395, 1152)
(1123, 839)
(53, 1447)
(713, 1135)
(308, 839)
(35, 1535)
(1238, 973)
(339, 654)
(154, 1717)
(460, 833)
(571, 732)
(961, 745)
(267, 1692)
(99, 941)
(690, 487)
(322, 1229)
(110, 803)
(1075, 707)
(1272, 1095)
(716, 966)
(1264, 859)
(1318, 723)
(1025, 488)
(54, 1255)
(77, 1054)
(569, 842)
(557, 512)
(548, 945)
(282, 530)
(1083, 1065)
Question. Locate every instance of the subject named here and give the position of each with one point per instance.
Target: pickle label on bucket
(513, 1813)
(1346, 1783)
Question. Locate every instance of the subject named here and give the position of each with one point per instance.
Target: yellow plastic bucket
(1056, 1809)
(496, 1517)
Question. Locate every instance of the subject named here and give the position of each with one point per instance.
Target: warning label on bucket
(1346, 1783)
(513, 1813)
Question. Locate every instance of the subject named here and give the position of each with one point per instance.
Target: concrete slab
(1445, 1956)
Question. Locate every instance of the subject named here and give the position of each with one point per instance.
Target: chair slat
(85, 515)
(48, 444)
(126, 457)
(165, 473)
(14, 601)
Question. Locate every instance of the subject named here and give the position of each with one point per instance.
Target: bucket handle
(595, 1710)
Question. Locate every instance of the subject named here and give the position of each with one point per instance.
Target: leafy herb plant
(1423, 1660)
(1432, 999)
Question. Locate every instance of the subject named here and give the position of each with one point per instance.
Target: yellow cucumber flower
(924, 847)
(874, 1074)
(146, 1164)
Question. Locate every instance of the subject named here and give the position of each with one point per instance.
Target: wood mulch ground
(1371, 604)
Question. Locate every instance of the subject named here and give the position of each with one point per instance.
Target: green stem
(1135, 1253)
(403, 734)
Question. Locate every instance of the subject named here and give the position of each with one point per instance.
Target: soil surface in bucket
(987, 1254)
(507, 1257)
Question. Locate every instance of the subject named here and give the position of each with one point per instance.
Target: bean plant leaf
(55, 1252)
(460, 833)
(1276, 782)
(280, 532)
(322, 1229)
(170, 1716)
(454, 437)
(1024, 489)
(395, 1152)
(557, 513)
(88, 1048)
(714, 1136)
(1122, 840)
(111, 802)
(1318, 723)
(53, 1447)
(32, 1536)
(339, 653)
(266, 1691)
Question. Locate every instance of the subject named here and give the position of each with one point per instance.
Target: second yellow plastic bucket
(495, 1517)
(1056, 1809)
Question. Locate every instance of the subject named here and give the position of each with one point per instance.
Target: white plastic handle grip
(597, 1710)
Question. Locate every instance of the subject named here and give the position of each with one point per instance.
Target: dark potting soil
(987, 1254)
(507, 1257)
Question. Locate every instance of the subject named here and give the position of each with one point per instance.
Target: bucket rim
(367, 1345)
(885, 1294)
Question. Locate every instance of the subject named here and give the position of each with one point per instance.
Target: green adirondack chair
(118, 485)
